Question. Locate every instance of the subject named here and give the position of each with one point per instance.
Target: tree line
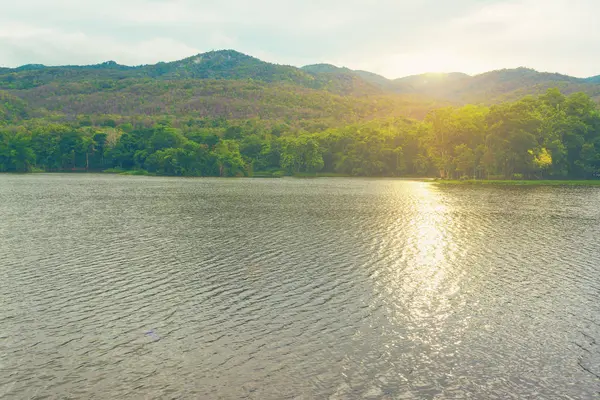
(548, 136)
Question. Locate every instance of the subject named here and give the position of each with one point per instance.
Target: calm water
(134, 287)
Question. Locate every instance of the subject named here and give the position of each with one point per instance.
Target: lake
(145, 287)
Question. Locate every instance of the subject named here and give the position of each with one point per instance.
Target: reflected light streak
(420, 279)
(428, 243)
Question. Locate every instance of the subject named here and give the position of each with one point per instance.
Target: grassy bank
(484, 182)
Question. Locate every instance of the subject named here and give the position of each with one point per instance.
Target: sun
(436, 63)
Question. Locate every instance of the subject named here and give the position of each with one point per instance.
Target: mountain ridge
(112, 63)
(222, 64)
(229, 83)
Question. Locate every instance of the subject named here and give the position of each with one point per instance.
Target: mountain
(488, 88)
(223, 64)
(494, 86)
(223, 83)
(325, 68)
(368, 77)
(233, 85)
(593, 79)
(373, 78)
(220, 84)
(227, 64)
(431, 84)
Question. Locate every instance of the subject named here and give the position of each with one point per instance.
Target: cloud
(55, 47)
(555, 36)
(391, 37)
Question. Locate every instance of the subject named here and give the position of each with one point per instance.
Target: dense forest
(548, 136)
(228, 114)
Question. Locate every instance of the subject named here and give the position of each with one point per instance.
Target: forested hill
(47, 83)
(487, 88)
(220, 84)
(494, 86)
(221, 65)
(224, 113)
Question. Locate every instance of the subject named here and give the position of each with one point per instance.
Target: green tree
(16, 154)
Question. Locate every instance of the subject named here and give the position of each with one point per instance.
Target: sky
(394, 38)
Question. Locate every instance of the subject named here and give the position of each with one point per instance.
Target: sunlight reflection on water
(333, 288)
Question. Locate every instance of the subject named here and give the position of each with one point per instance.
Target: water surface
(137, 287)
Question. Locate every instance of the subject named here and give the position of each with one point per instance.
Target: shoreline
(263, 175)
(541, 182)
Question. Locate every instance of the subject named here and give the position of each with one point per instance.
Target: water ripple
(135, 287)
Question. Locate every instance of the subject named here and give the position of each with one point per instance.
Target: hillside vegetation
(487, 88)
(227, 114)
(495, 86)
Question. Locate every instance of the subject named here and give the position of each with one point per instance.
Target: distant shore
(541, 182)
(282, 174)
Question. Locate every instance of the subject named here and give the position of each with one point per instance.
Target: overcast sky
(392, 37)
